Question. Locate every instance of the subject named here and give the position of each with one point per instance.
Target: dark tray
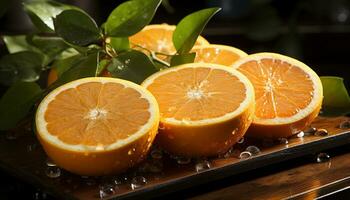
(22, 156)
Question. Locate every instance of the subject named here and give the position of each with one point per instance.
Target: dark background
(316, 32)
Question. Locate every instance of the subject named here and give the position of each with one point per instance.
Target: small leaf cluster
(70, 42)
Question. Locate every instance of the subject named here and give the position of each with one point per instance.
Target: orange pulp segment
(288, 94)
(97, 120)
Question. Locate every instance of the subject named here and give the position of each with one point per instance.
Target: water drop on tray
(106, 190)
(202, 165)
(156, 154)
(344, 124)
(245, 155)
(301, 134)
(310, 130)
(321, 132)
(322, 157)
(50, 163)
(53, 172)
(137, 182)
(240, 141)
(181, 160)
(283, 140)
(253, 150)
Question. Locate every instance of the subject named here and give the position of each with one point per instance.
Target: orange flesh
(155, 39)
(96, 114)
(281, 89)
(197, 93)
(215, 55)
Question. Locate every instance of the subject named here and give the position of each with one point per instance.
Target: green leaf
(77, 27)
(336, 99)
(119, 43)
(64, 64)
(85, 67)
(42, 12)
(50, 46)
(102, 64)
(16, 103)
(21, 66)
(130, 17)
(182, 59)
(4, 5)
(131, 65)
(17, 43)
(190, 27)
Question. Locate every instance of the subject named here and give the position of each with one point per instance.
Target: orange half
(218, 54)
(158, 38)
(288, 94)
(204, 108)
(96, 126)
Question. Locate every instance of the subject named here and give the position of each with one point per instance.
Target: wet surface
(22, 156)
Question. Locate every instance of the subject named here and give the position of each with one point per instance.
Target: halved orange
(204, 108)
(219, 54)
(97, 126)
(288, 94)
(158, 38)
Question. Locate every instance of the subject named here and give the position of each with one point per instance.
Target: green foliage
(77, 27)
(182, 59)
(21, 66)
(119, 43)
(17, 102)
(336, 99)
(190, 27)
(131, 65)
(42, 12)
(130, 17)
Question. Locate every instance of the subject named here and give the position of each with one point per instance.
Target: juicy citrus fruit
(158, 38)
(219, 54)
(52, 77)
(96, 126)
(288, 94)
(204, 108)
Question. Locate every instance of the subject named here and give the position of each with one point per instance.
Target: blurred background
(316, 32)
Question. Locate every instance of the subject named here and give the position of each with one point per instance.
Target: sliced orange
(158, 38)
(288, 94)
(97, 126)
(219, 54)
(204, 108)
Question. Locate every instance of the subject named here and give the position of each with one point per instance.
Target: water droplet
(283, 140)
(240, 141)
(202, 165)
(39, 195)
(181, 160)
(50, 163)
(10, 135)
(131, 151)
(300, 134)
(106, 190)
(322, 157)
(156, 154)
(321, 132)
(137, 182)
(345, 125)
(31, 147)
(310, 130)
(245, 155)
(127, 61)
(53, 172)
(253, 150)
